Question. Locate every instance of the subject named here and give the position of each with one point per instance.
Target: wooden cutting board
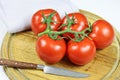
(21, 47)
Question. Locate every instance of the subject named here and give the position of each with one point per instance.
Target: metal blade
(63, 72)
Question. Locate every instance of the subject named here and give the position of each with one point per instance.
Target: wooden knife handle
(17, 64)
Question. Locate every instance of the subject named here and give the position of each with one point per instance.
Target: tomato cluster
(72, 36)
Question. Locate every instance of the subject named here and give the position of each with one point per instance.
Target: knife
(45, 68)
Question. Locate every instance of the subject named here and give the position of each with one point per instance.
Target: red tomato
(80, 23)
(80, 53)
(102, 34)
(38, 24)
(49, 50)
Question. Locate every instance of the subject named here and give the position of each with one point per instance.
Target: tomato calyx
(79, 35)
(47, 20)
(70, 22)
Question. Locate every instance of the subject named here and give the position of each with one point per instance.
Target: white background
(108, 9)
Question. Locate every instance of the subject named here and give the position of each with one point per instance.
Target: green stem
(45, 32)
(53, 34)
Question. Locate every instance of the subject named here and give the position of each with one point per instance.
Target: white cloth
(16, 14)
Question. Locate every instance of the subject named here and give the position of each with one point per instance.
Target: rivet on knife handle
(17, 64)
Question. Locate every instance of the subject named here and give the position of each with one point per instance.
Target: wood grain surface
(21, 46)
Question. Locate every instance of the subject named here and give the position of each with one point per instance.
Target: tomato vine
(79, 35)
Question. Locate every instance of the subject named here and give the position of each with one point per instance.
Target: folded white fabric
(16, 14)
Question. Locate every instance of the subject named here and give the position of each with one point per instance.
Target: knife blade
(46, 69)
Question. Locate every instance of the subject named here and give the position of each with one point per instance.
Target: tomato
(38, 25)
(79, 23)
(80, 53)
(49, 50)
(102, 34)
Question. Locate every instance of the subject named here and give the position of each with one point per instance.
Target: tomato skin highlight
(49, 50)
(80, 23)
(81, 53)
(37, 23)
(102, 34)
